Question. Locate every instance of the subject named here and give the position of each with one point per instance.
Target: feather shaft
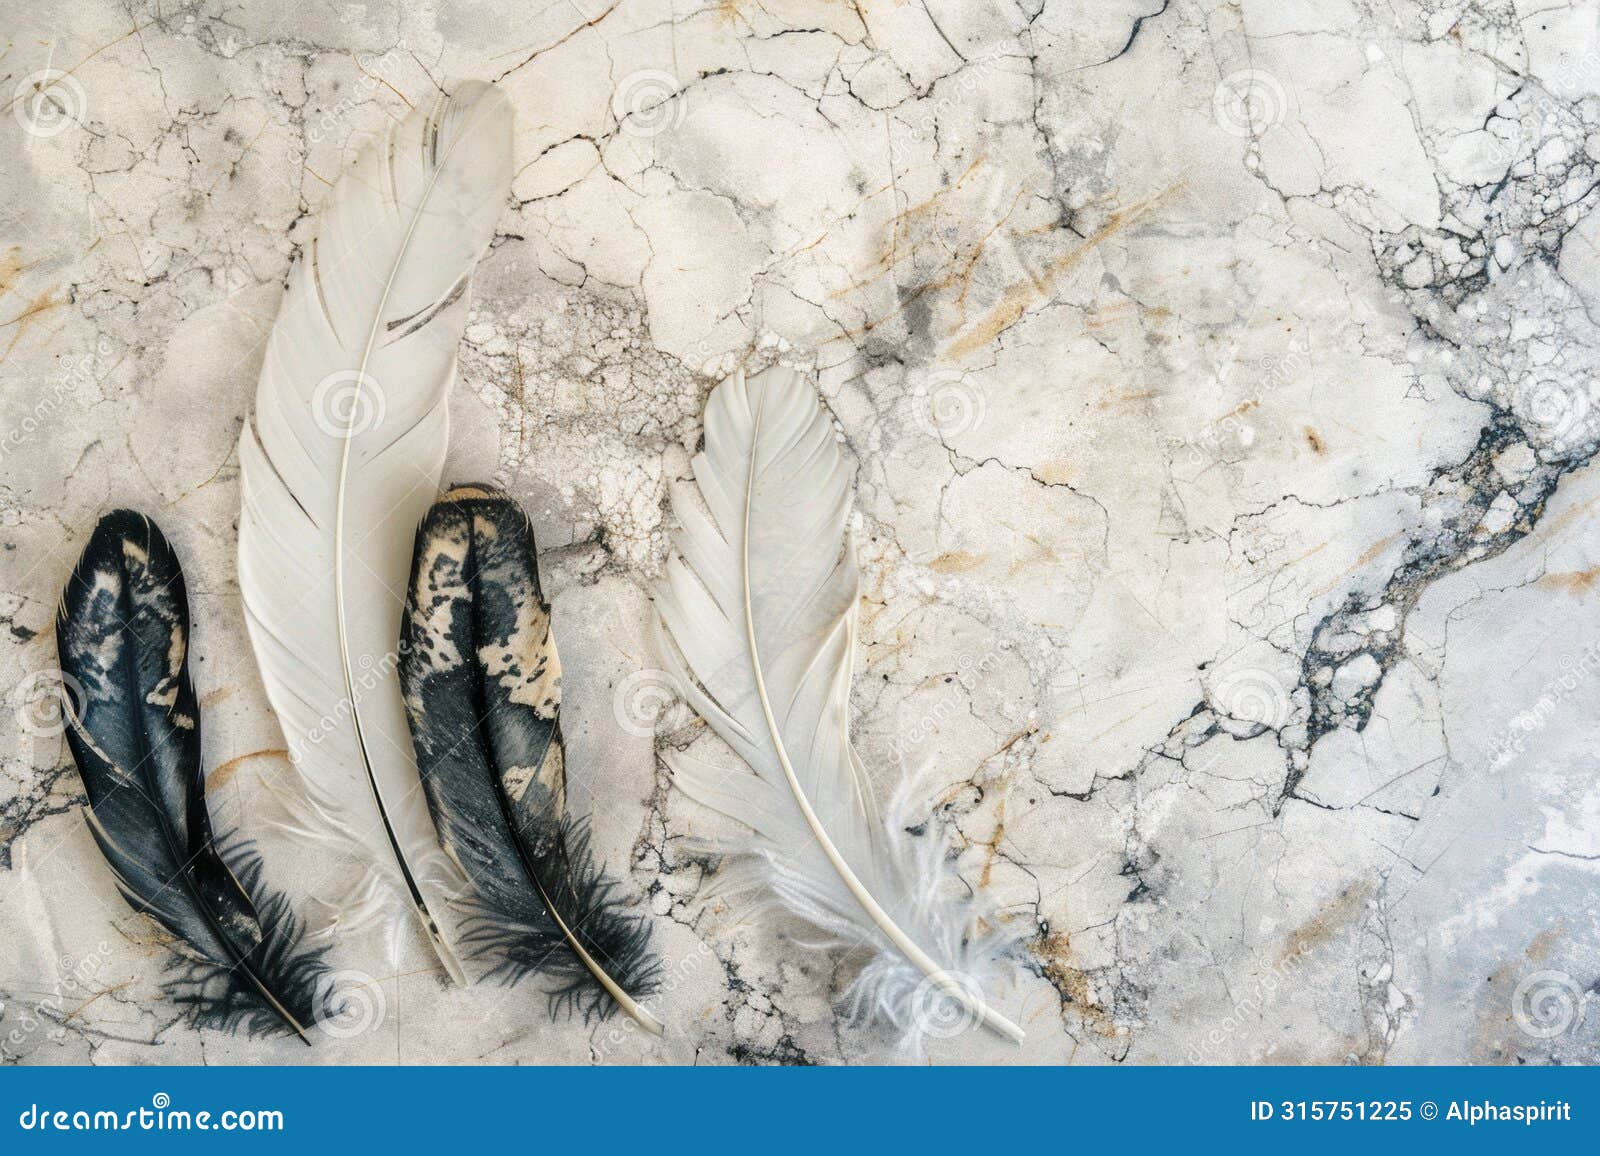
(446, 956)
(625, 1001)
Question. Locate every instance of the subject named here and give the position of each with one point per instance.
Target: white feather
(339, 462)
(759, 605)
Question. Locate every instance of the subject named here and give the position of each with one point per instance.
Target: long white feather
(339, 462)
(759, 607)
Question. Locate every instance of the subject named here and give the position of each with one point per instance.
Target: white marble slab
(1221, 380)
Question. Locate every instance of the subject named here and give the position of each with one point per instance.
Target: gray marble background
(1221, 379)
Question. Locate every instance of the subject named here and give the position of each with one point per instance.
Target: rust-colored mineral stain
(1375, 549)
(1332, 918)
(1538, 949)
(955, 562)
(993, 845)
(1239, 410)
(75, 1012)
(1055, 953)
(219, 776)
(29, 316)
(1314, 440)
(1575, 582)
(958, 270)
(11, 267)
(1041, 553)
(1055, 472)
(1019, 296)
(1370, 553)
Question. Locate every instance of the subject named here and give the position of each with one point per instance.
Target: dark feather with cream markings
(134, 730)
(483, 693)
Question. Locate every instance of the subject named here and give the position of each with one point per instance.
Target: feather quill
(134, 731)
(758, 608)
(483, 692)
(341, 458)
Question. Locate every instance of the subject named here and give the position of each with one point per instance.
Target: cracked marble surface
(1221, 381)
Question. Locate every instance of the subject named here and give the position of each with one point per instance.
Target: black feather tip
(214, 995)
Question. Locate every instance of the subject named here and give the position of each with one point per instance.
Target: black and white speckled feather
(483, 693)
(134, 730)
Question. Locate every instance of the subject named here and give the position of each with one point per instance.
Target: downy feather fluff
(340, 460)
(134, 731)
(759, 607)
(483, 692)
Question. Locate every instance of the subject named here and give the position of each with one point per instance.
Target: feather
(483, 693)
(134, 731)
(340, 460)
(758, 611)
